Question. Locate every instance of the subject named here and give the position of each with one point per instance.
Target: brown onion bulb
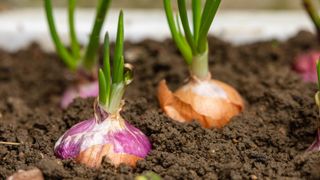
(212, 103)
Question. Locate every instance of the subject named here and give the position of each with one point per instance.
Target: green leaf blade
(208, 14)
(196, 14)
(117, 77)
(313, 13)
(185, 23)
(102, 88)
(89, 59)
(106, 66)
(60, 48)
(75, 47)
(184, 48)
(117, 92)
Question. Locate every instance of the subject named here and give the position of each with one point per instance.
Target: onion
(87, 90)
(212, 103)
(305, 65)
(208, 101)
(107, 134)
(104, 135)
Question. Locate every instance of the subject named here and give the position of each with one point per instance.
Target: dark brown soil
(267, 141)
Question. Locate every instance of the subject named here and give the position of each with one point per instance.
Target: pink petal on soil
(82, 91)
(315, 146)
(306, 66)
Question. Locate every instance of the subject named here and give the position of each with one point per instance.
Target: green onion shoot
(81, 60)
(107, 134)
(212, 103)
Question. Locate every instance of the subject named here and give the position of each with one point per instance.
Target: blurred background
(226, 4)
(237, 21)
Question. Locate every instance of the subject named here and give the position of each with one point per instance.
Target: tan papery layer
(92, 157)
(185, 105)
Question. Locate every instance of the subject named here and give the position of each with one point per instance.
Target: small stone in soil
(253, 177)
(32, 174)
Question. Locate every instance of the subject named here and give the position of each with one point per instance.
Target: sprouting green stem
(208, 14)
(117, 92)
(89, 59)
(193, 45)
(180, 41)
(200, 66)
(196, 13)
(102, 88)
(106, 67)
(75, 47)
(117, 75)
(112, 87)
(66, 57)
(185, 23)
(179, 26)
(312, 12)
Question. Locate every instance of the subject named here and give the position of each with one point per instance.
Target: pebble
(235, 141)
(253, 177)
(32, 174)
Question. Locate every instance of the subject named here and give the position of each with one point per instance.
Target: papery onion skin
(83, 91)
(212, 103)
(89, 141)
(99, 151)
(305, 65)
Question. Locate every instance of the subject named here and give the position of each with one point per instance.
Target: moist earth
(267, 141)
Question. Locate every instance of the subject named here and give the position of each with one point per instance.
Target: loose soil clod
(32, 174)
(267, 140)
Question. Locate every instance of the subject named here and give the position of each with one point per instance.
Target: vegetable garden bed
(267, 140)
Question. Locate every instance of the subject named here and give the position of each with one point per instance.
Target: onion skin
(105, 135)
(86, 90)
(306, 65)
(68, 146)
(212, 103)
(99, 151)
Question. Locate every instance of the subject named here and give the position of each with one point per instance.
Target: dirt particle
(32, 174)
(253, 177)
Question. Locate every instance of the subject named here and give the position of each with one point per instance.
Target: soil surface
(267, 141)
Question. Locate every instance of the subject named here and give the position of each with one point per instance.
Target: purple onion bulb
(305, 65)
(83, 91)
(104, 135)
